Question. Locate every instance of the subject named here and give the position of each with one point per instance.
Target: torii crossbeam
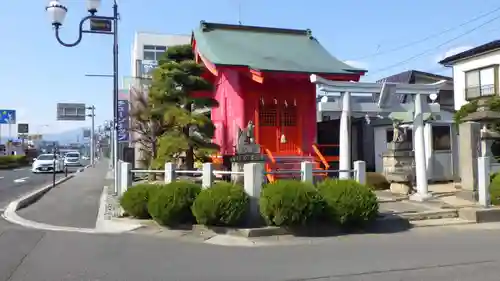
(387, 103)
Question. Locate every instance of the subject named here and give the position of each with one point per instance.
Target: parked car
(72, 159)
(45, 163)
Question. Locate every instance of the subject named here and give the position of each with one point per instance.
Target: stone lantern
(486, 117)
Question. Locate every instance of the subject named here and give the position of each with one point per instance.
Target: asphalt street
(436, 254)
(16, 182)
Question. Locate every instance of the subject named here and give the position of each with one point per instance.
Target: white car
(45, 163)
(72, 159)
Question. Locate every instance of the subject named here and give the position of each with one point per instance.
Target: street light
(92, 135)
(57, 13)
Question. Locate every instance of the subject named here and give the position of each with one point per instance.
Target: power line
(436, 47)
(376, 54)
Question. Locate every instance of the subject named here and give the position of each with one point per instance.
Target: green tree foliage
(186, 128)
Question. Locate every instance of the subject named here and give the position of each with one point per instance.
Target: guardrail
(253, 174)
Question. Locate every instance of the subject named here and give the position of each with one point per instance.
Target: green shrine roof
(267, 49)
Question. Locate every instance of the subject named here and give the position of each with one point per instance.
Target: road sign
(86, 133)
(123, 121)
(7, 116)
(146, 68)
(22, 128)
(100, 25)
(71, 112)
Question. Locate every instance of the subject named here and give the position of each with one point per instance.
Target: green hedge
(290, 203)
(349, 203)
(495, 189)
(171, 204)
(223, 204)
(13, 161)
(135, 200)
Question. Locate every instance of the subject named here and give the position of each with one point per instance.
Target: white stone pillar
(428, 149)
(344, 137)
(360, 171)
(125, 177)
(483, 179)
(207, 176)
(169, 173)
(419, 150)
(306, 169)
(253, 174)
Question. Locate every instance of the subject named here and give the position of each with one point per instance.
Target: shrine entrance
(279, 126)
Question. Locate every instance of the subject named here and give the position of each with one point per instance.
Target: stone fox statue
(246, 136)
(399, 134)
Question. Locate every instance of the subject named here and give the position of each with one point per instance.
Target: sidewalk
(74, 203)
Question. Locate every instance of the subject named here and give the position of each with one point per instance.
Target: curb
(10, 213)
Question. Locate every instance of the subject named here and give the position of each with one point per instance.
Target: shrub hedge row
(345, 203)
(12, 161)
(495, 189)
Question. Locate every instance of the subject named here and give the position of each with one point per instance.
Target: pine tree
(188, 129)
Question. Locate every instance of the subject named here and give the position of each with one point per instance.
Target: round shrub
(495, 190)
(290, 203)
(223, 204)
(171, 204)
(135, 200)
(349, 203)
(377, 181)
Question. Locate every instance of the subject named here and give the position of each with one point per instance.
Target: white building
(147, 49)
(475, 72)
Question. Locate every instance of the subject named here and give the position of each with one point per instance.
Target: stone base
(237, 167)
(400, 188)
(418, 197)
(468, 195)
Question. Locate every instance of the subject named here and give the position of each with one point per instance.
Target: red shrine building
(261, 74)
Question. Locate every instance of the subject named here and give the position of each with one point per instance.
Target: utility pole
(92, 135)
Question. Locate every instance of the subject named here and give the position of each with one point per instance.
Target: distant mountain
(66, 137)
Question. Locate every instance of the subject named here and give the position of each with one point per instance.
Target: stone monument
(247, 151)
(399, 161)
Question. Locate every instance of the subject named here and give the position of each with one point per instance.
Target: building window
(480, 82)
(441, 138)
(153, 53)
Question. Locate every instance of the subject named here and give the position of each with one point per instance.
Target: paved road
(74, 203)
(14, 183)
(426, 254)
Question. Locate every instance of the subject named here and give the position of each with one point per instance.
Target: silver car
(72, 159)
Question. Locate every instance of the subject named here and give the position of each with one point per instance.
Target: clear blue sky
(36, 72)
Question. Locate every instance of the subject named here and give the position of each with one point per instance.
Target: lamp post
(57, 13)
(92, 135)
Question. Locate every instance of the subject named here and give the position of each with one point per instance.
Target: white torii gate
(387, 103)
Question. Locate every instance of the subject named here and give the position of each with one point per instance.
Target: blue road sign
(123, 121)
(7, 116)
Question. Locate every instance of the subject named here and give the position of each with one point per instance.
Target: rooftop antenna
(239, 12)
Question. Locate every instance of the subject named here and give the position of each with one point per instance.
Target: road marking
(1, 178)
(19, 169)
(21, 180)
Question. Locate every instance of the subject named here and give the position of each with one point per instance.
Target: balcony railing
(480, 91)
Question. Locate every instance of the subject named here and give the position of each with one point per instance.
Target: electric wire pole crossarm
(57, 13)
